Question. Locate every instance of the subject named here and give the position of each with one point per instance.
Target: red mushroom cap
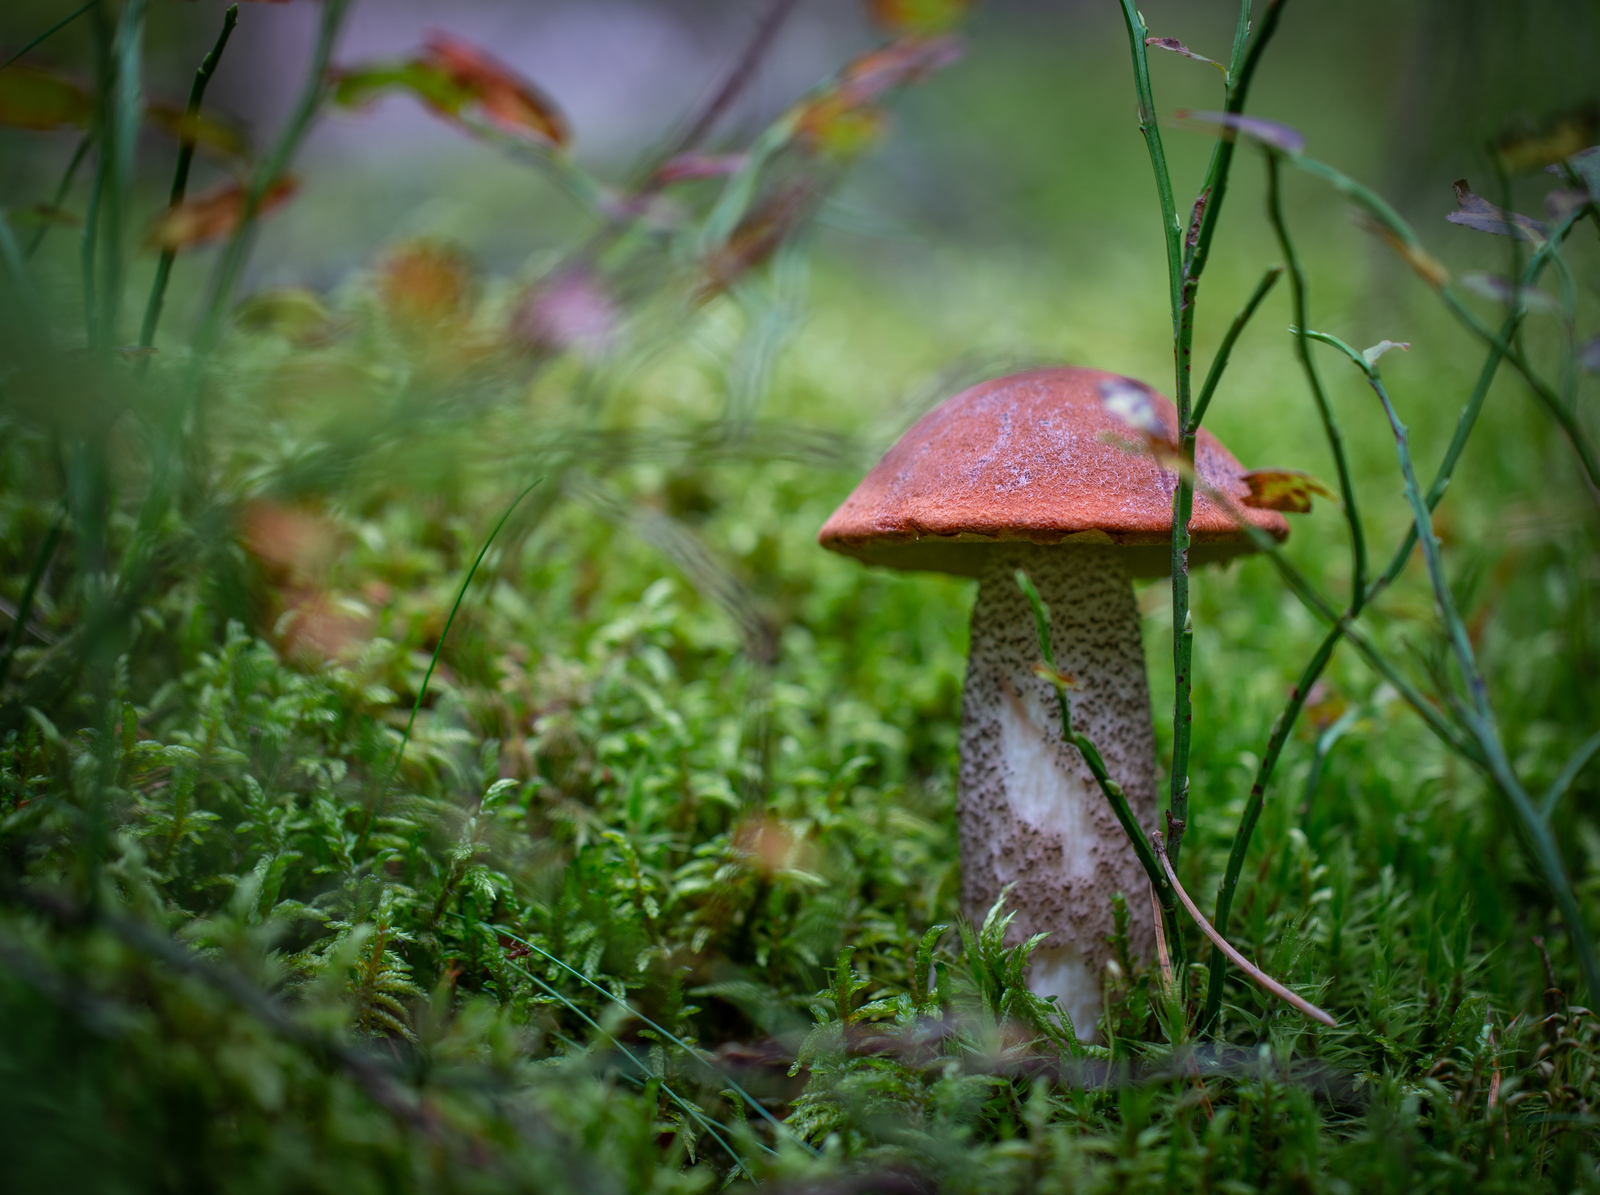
(1036, 458)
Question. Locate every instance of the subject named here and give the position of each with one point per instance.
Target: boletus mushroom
(1033, 471)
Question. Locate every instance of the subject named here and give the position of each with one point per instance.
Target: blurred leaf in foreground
(34, 99)
(1286, 490)
(1492, 286)
(292, 312)
(567, 311)
(451, 76)
(201, 129)
(1271, 133)
(507, 99)
(923, 18)
(425, 283)
(1530, 148)
(214, 214)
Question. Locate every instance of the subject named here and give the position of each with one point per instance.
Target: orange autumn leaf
(836, 128)
(756, 238)
(908, 60)
(921, 17)
(507, 99)
(843, 121)
(1287, 490)
(214, 214)
(292, 543)
(425, 282)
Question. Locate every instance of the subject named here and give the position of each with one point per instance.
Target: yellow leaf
(1288, 490)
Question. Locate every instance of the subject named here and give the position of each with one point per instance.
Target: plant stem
(737, 79)
(1330, 426)
(54, 29)
(1183, 496)
(1481, 719)
(422, 689)
(1411, 246)
(180, 175)
(225, 276)
(41, 561)
(1264, 980)
(1172, 233)
(1562, 782)
(1225, 349)
(1091, 756)
(62, 188)
(1252, 814)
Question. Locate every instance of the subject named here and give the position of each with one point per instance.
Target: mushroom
(1026, 472)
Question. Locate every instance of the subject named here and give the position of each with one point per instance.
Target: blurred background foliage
(646, 902)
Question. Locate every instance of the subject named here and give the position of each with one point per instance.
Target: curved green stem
(180, 175)
(1252, 814)
(433, 662)
(1330, 426)
(1225, 349)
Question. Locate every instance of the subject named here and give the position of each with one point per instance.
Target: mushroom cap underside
(1035, 458)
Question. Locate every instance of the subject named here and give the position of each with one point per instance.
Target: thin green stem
(50, 32)
(1252, 814)
(755, 1105)
(1137, 32)
(693, 1111)
(1330, 426)
(1114, 795)
(126, 117)
(41, 561)
(1219, 363)
(1481, 717)
(433, 662)
(230, 265)
(1215, 187)
(65, 185)
(1465, 424)
(1408, 241)
(1182, 654)
(1558, 786)
(180, 175)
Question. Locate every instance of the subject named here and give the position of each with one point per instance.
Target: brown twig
(738, 79)
(1262, 979)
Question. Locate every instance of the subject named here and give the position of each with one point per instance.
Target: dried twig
(1262, 979)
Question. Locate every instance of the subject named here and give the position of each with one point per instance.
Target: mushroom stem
(1030, 811)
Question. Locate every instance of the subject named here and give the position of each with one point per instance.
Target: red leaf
(214, 214)
(909, 60)
(507, 99)
(692, 166)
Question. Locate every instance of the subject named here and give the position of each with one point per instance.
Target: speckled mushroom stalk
(1026, 471)
(1030, 813)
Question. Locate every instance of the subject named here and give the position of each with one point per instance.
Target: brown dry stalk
(1262, 979)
